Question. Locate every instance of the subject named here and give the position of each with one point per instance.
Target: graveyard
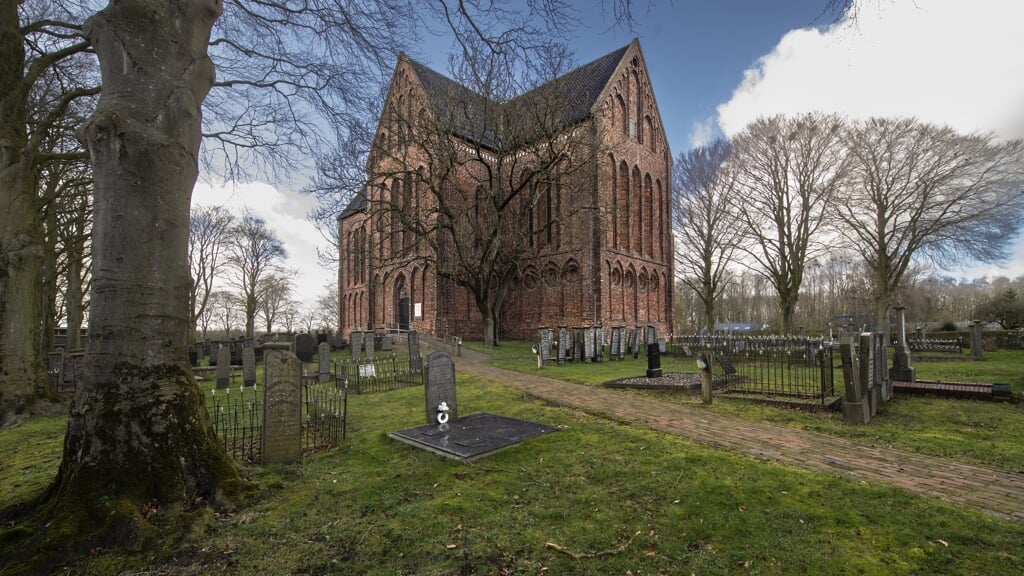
(598, 495)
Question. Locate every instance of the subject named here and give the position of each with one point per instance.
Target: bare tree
(254, 253)
(225, 308)
(920, 191)
(327, 307)
(274, 297)
(209, 232)
(45, 74)
(708, 231)
(788, 171)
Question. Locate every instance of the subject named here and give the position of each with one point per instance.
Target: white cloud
(702, 132)
(284, 212)
(942, 61)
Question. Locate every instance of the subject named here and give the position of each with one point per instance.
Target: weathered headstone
(616, 343)
(577, 345)
(324, 360)
(193, 356)
(599, 344)
(304, 346)
(224, 366)
(638, 341)
(544, 347)
(563, 344)
(249, 366)
(386, 343)
(368, 342)
(867, 372)
(213, 352)
(415, 362)
(856, 408)
(282, 408)
(977, 350)
(662, 346)
(439, 385)
(356, 342)
(588, 344)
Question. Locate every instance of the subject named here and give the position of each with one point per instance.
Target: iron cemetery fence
(776, 366)
(236, 415)
(381, 373)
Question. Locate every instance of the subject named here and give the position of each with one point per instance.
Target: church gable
(628, 105)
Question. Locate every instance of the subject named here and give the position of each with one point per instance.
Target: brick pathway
(998, 493)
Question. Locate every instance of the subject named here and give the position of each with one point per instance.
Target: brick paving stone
(999, 493)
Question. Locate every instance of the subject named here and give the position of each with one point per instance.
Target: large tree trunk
(138, 431)
(22, 371)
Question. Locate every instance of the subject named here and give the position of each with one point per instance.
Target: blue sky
(718, 64)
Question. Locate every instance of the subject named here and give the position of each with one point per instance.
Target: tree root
(581, 555)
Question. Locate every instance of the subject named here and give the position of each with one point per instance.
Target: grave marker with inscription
(599, 344)
(415, 362)
(324, 360)
(439, 385)
(545, 346)
(282, 408)
(563, 344)
(588, 344)
(223, 367)
(249, 366)
(357, 346)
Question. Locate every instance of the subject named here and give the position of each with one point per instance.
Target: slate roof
(464, 110)
(356, 204)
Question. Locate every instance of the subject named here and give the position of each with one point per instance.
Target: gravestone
(304, 346)
(213, 351)
(662, 346)
(415, 362)
(856, 407)
(357, 346)
(249, 366)
(902, 368)
(977, 350)
(223, 367)
(630, 341)
(544, 349)
(588, 344)
(368, 342)
(599, 344)
(193, 356)
(616, 343)
(282, 407)
(386, 343)
(866, 354)
(653, 361)
(563, 344)
(324, 359)
(439, 385)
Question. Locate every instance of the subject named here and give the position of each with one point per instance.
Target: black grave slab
(472, 437)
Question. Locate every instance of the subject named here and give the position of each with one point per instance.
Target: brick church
(593, 245)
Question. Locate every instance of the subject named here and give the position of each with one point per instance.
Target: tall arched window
(648, 239)
(625, 216)
(638, 202)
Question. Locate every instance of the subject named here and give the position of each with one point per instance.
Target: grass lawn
(596, 497)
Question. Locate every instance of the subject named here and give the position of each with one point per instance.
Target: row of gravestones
(365, 344)
(587, 344)
(303, 349)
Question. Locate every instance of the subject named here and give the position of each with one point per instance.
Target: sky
(716, 66)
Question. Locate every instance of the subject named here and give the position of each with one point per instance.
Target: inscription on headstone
(386, 343)
(357, 345)
(304, 346)
(544, 348)
(588, 344)
(616, 343)
(563, 344)
(282, 408)
(599, 344)
(415, 362)
(249, 366)
(324, 360)
(368, 342)
(223, 366)
(639, 341)
(439, 384)
(578, 344)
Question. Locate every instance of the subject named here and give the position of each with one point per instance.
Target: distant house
(607, 266)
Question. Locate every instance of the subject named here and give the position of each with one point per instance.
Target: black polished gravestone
(305, 347)
(472, 437)
(653, 361)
